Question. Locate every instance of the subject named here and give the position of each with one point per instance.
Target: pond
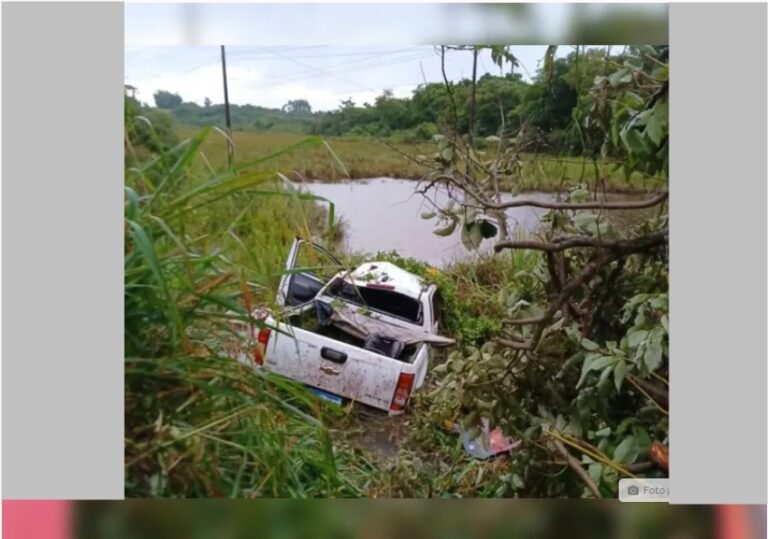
(383, 214)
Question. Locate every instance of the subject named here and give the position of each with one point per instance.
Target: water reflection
(383, 214)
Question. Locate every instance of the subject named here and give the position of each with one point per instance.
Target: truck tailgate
(334, 366)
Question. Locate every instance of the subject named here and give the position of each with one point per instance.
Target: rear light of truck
(402, 392)
(261, 346)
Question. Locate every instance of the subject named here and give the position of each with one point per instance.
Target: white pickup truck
(362, 335)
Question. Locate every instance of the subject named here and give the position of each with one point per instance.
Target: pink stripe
(48, 519)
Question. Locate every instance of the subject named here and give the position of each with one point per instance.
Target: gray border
(62, 230)
(718, 253)
(62, 250)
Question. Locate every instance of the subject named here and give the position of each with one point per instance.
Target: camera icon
(644, 490)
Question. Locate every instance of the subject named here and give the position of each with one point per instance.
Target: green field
(372, 158)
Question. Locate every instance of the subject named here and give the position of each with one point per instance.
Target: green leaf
(146, 247)
(585, 367)
(446, 230)
(642, 440)
(579, 195)
(634, 142)
(427, 215)
(633, 101)
(661, 111)
(622, 76)
(440, 368)
(653, 354)
(132, 211)
(619, 372)
(595, 472)
(605, 374)
(654, 129)
(549, 63)
(661, 73)
(338, 164)
(636, 336)
(589, 345)
(471, 235)
(594, 362)
(624, 450)
(178, 169)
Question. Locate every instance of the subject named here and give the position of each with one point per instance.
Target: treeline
(545, 113)
(244, 117)
(294, 117)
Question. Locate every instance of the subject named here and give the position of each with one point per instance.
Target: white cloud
(322, 75)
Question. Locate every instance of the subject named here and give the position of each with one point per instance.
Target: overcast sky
(323, 75)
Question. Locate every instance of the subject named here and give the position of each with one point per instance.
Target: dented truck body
(362, 335)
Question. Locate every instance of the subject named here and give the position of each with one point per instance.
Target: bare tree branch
(448, 89)
(560, 244)
(594, 205)
(577, 467)
(583, 277)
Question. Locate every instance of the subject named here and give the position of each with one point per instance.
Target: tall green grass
(203, 245)
(371, 158)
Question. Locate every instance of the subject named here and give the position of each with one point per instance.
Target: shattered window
(316, 262)
(377, 299)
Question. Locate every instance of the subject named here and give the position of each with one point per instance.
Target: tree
(167, 100)
(299, 107)
(147, 129)
(207, 102)
(578, 369)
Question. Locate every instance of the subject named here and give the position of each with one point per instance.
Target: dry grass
(372, 158)
(363, 158)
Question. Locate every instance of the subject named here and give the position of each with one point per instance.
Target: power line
(334, 67)
(301, 76)
(256, 55)
(321, 71)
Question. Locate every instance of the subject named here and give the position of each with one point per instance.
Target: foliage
(631, 107)
(166, 100)
(201, 246)
(148, 130)
(551, 104)
(590, 375)
(299, 107)
(244, 117)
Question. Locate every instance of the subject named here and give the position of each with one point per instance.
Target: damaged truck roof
(387, 276)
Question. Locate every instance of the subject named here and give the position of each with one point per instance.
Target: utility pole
(473, 99)
(230, 145)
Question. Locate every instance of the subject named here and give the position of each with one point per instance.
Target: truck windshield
(378, 299)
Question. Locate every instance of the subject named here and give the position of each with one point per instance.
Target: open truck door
(308, 269)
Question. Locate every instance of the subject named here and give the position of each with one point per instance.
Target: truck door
(308, 268)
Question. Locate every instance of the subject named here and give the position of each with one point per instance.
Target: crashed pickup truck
(363, 335)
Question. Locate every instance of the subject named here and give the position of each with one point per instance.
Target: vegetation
(199, 249)
(395, 137)
(577, 368)
(562, 337)
(544, 106)
(362, 158)
(371, 158)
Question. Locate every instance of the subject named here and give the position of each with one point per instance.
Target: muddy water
(383, 214)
